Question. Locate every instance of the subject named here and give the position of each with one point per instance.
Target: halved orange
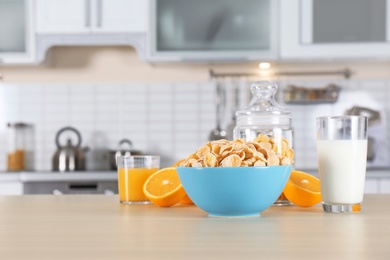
(186, 199)
(303, 189)
(163, 187)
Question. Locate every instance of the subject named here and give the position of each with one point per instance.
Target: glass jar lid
(263, 108)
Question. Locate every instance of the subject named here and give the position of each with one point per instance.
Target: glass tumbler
(342, 157)
(133, 171)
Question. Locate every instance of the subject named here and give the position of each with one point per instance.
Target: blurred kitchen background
(147, 71)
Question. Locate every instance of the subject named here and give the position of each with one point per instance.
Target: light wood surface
(99, 227)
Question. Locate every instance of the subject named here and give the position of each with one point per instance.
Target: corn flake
(210, 160)
(262, 151)
(203, 151)
(232, 160)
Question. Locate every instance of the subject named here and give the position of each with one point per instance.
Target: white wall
(119, 64)
(168, 109)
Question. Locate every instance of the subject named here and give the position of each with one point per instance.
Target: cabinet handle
(87, 13)
(57, 192)
(99, 13)
(109, 192)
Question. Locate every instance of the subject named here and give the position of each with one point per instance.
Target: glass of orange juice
(132, 174)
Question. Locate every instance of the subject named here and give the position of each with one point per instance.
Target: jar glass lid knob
(263, 108)
(264, 90)
(264, 96)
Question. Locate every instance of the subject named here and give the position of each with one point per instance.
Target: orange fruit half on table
(164, 188)
(186, 199)
(303, 189)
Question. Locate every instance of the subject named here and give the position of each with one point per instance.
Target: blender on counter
(20, 150)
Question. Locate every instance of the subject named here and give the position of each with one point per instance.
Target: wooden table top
(99, 227)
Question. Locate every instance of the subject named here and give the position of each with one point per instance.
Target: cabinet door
(116, 16)
(334, 29)
(219, 30)
(385, 185)
(11, 188)
(371, 185)
(59, 16)
(17, 42)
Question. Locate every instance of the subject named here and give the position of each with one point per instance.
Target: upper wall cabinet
(85, 16)
(91, 22)
(218, 30)
(17, 38)
(334, 29)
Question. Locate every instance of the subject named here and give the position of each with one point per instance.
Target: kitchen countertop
(112, 175)
(99, 227)
(59, 176)
(370, 173)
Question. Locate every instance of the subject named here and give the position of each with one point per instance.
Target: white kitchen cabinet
(219, 30)
(11, 188)
(91, 16)
(10, 184)
(91, 22)
(385, 185)
(334, 29)
(371, 185)
(59, 16)
(17, 37)
(121, 16)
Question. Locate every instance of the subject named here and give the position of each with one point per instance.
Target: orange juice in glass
(132, 174)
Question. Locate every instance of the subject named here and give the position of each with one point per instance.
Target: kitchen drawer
(11, 188)
(59, 188)
(385, 185)
(371, 186)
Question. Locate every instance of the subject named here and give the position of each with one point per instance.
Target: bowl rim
(235, 167)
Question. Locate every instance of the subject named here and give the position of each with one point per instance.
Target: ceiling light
(264, 65)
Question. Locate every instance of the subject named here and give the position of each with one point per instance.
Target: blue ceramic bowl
(234, 191)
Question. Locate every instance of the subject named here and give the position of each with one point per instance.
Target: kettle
(69, 157)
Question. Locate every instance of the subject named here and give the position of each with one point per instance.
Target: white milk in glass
(342, 170)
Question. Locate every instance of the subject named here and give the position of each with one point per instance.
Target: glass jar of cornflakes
(265, 116)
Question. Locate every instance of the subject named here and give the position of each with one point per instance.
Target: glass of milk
(342, 157)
